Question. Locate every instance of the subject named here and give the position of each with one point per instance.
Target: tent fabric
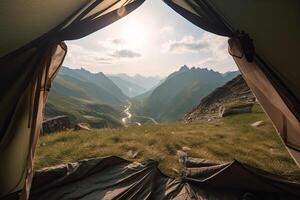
(116, 178)
(28, 65)
(274, 30)
(24, 114)
(31, 52)
(200, 14)
(285, 122)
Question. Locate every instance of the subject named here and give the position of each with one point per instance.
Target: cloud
(213, 45)
(210, 46)
(116, 48)
(166, 30)
(117, 41)
(125, 53)
(80, 56)
(218, 57)
(111, 43)
(186, 44)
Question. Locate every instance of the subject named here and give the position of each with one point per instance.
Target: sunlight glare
(134, 34)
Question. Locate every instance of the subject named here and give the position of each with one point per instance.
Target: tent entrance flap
(283, 119)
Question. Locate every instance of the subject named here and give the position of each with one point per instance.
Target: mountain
(235, 93)
(86, 97)
(98, 80)
(180, 92)
(231, 75)
(128, 88)
(146, 82)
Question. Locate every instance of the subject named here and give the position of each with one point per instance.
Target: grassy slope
(231, 138)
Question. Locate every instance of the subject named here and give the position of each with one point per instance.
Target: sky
(153, 40)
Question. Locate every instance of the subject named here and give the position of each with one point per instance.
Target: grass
(230, 138)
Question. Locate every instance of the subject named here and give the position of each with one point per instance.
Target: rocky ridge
(232, 98)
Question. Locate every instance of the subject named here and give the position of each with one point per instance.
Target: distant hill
(86, 97)
(98, 80)
(180, 92)
(129, 88)
(146, 82)
(233, 93)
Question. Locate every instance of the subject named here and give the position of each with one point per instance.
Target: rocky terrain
(232, 98)
(55, 124)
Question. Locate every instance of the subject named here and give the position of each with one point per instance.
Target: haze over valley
(106, 100)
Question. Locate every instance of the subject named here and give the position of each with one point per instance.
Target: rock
(258, 123)
(55, 124)
(176, 170)
(181, 153)
(182, 156)
(234, 91)
(185, 149)
(82, 126)
(132, 154)
(232, 110)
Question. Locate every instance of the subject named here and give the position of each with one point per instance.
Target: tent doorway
(36, 65)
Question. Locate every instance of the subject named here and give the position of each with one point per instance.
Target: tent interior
(263, 41)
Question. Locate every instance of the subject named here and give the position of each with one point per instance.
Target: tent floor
(115, 178)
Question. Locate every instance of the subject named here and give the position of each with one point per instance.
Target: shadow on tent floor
(116, 178)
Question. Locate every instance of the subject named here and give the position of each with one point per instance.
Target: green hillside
(179, 93)
(86, 97)
(96, 79)
(230, 138)
(96, 115)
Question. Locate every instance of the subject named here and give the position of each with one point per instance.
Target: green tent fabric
(264, 44)
(32, 51)
(115, 178)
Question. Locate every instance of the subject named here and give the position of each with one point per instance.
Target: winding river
(127, 120)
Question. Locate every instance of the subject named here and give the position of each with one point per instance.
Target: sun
(134, 34)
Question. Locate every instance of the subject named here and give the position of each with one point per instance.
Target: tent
(115, 178)
(264, 41)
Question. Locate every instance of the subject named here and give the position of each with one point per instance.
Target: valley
(99, 100)
(182, 114)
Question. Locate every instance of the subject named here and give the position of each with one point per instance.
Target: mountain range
(134, 85)
(99, 99)
(180, 92)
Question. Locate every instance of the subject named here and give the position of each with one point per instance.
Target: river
(127, 120)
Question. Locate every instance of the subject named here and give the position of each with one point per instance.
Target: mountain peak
(101, 73)
(184, 68)
(84, 70)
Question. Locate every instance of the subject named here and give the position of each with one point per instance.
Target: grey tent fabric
(201, 14)
(29, 64)
(273, 27)
(116, 178)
